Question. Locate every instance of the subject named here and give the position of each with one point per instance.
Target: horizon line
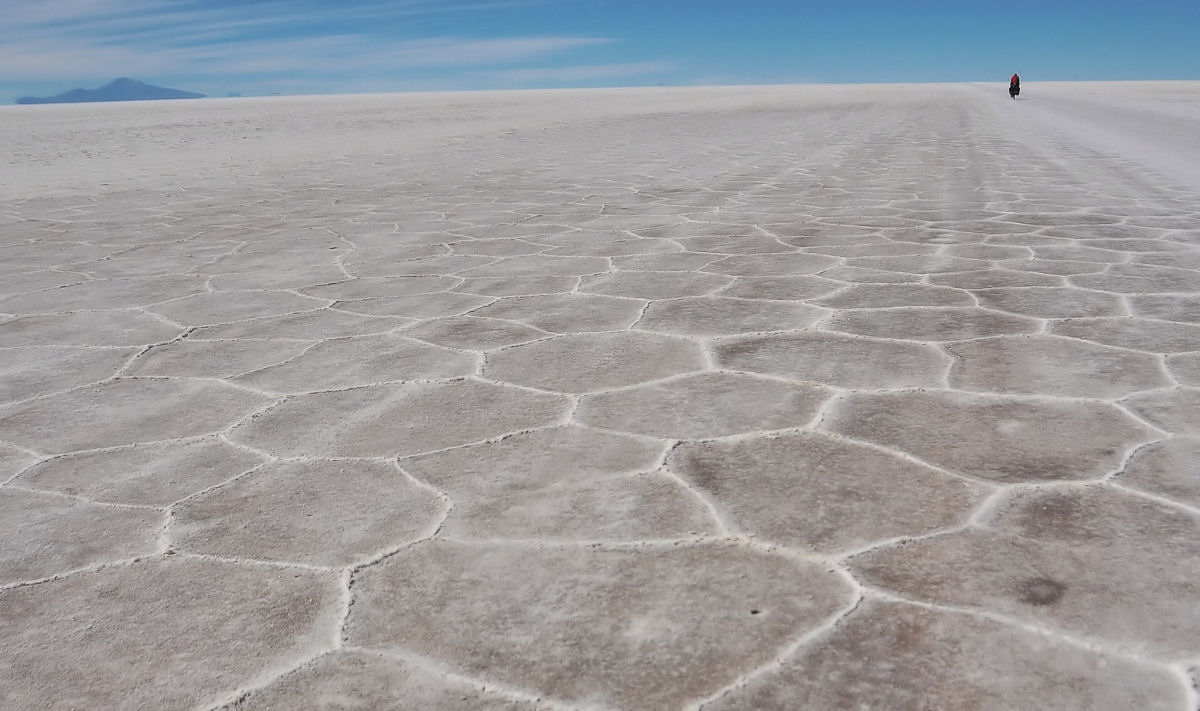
(277, 95)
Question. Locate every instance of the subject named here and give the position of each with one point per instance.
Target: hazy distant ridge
(122, 89)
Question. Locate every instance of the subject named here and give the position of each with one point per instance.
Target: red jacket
(1015, 80)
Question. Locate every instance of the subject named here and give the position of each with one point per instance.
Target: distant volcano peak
(119, 89)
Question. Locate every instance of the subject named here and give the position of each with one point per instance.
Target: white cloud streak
(318, 55)
(76, 39)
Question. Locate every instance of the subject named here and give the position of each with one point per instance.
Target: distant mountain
(117, 90)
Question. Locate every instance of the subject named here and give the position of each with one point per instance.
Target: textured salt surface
(740, 398)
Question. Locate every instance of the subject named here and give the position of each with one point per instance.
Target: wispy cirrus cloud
(128, 17)
(263, 41)
(320, 55)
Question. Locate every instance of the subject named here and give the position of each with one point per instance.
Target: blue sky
(309, 46)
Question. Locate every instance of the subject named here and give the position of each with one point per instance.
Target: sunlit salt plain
(727, 398)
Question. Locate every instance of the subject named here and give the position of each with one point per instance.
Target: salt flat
(725, 398)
